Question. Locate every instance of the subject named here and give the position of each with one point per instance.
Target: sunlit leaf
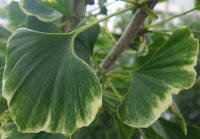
(170, 130)
(63, 6)
(168, 71)
(37, 25)
(48, 88)
(9, 131)
(36, 8)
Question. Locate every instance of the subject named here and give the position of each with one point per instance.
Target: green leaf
(9, 131)
(36, 8)
(197, 4)
(48, 88)
(15, 15)
(150, 12)
(85, 41)
(63, 6)
(162, 0)
(3, 105)
(4, 32)
(151, 134)
(170, 130)
(38, 25)
(168, 71)
(103, 9)
(124, 131)
(83, 44)
(179, 118)
(158, 40)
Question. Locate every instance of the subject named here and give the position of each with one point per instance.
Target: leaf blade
(168, 71)
(62, 91)
(35, 8)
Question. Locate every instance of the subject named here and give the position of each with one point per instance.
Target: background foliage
(93, 50)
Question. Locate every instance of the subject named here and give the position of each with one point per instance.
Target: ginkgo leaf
(63, 6)
(197, 4)
(3, 105)
(180, 119)
(171, 130)
(168, 71)
(4, 32)
(36, 8)
(49, 88)
(15, 14)
(83, 44)
(35, 24)
(9, 131)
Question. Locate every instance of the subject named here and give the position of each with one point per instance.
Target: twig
(127, 37)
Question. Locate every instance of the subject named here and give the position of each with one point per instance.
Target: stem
(158, 32)
(110, 97)
(131, 1)
(130, 33)
(110, 103)
(114, 90)
(97, 65)
(142, 133)
(119, 76)
(81, 29)
(168, 19)
(108, 32)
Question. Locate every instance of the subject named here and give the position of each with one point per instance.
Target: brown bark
(130, 33)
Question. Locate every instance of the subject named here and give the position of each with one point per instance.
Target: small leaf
(85, 41)
(9, 131)
(179, 118)
(36, 8)
(103, 9)
(124, 131)
(197, 4)
(48, 88)
(168, 71)
(38, 25)
(3, 105)
(15, 15)
(158, 40)
(170, 130)
(4, 32)
(63, 6)
(150, 12)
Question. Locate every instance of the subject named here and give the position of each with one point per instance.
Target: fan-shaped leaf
(170, 130)
(197, 4)
(63, 6)
(48, 88)
(9, 131)
(38, 25)
(168, 71)
(85, 41)
(3, 105)
(36, 8)
(15, 15)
